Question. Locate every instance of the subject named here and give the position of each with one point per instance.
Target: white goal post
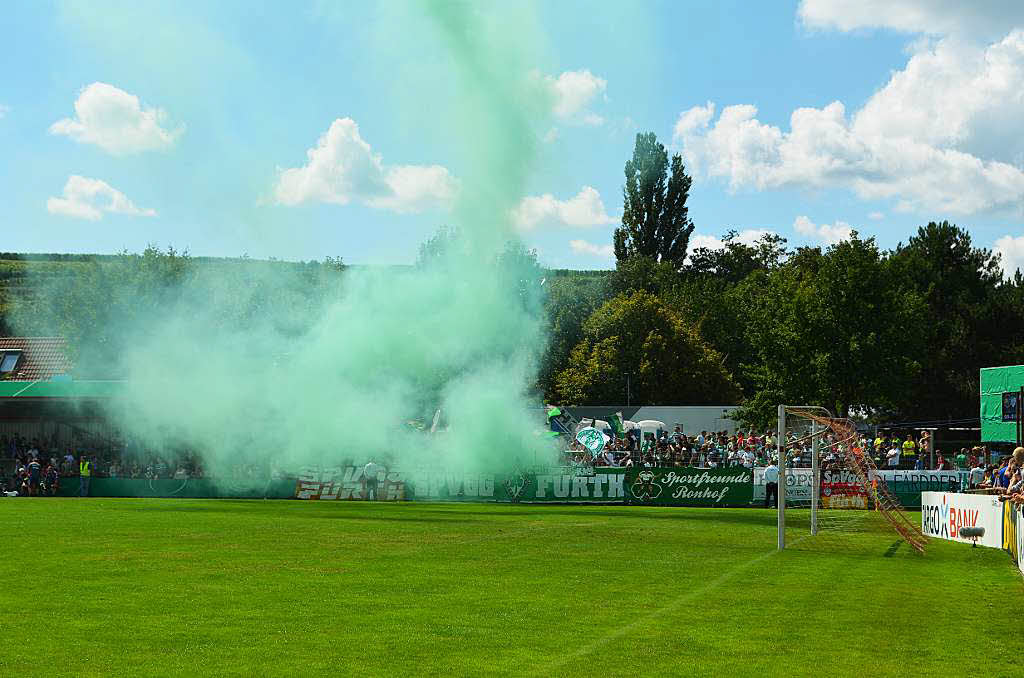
(816, 433)
(858, 486)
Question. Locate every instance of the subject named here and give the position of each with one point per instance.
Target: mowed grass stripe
(167, 587)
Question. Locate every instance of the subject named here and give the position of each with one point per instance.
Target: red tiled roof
(41, 357)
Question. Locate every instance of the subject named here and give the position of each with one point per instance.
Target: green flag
(615, 421)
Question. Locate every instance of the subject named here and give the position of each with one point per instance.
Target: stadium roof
(32, 358)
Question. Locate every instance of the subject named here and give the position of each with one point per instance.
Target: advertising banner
(842, 489)
(1013, 539)
(1020, 539)
(539, 485)
(944, 513)
(556, 484)
(349, 483)
(690, 486)
(906, 485)
(798, 485)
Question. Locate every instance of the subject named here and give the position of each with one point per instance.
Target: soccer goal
(828, 483)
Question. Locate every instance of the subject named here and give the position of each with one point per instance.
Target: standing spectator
(84, 475)
(771, 485)
(924, 443)
(909, 450)
(51, 480)
(976, 476)
(748, 459)
(370, 472)
(35, 471)
(1008, 471)
(961, 460)
(986, 482)
(893, 458)
(919, 464)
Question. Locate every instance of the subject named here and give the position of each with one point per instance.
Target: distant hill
(22, 273)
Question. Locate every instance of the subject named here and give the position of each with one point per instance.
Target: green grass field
(159, 587)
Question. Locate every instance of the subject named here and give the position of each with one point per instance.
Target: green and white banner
(592, 439)
(555, 484)
(685, 486)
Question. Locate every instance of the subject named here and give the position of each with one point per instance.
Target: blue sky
(188, 124)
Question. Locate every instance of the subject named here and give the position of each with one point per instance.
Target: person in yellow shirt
(909, 451)
(84, 475)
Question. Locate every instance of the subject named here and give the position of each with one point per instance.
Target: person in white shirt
(976, 475)
(370, 473)
(893, 456)
(771, 484)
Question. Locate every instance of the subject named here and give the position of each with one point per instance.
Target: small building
(41, 404)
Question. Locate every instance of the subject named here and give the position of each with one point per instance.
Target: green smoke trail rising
(463, 332)
(498, 109)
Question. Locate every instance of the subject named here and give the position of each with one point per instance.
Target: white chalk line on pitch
(686, 597)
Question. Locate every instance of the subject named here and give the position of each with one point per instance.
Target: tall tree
(639, 338)
(709, 294)
(655, 219)
(960, 325)
(570, 300)
(832, 329)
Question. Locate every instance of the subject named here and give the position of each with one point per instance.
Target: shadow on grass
(354, 511)
(675, 514)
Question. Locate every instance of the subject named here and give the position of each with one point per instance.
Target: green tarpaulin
(999, 384)
(60, 389)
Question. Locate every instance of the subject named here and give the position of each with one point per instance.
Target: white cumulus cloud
(937, 17)
(582, 210)
(942, 135)
(876, 216)
(592, 249)
(746, 237)
(1012, 250)
(829, 234)
(573, 93)
(343, 168)
(85, 198)
(116, 121)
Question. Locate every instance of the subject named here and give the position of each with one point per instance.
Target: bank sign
(944, 513)
(690, 486)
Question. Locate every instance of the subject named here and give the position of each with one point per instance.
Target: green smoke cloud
(241, 365)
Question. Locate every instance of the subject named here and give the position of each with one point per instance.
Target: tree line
(898, 333)
(891, 333)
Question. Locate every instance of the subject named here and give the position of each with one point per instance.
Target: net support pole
(815, 476)
(781, 493)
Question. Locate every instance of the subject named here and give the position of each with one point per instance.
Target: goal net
(828, 483)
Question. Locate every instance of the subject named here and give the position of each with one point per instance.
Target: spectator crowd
(723, 449)
(37, 466)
